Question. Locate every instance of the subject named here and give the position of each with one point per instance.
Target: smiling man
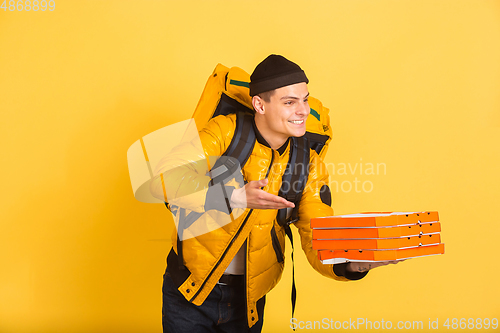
(219, 281)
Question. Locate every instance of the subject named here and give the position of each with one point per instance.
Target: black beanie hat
(275, 72)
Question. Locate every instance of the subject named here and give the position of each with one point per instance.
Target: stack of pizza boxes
(376, 236)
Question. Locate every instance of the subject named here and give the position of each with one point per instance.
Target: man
(217, 281)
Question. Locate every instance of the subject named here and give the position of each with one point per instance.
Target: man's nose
(304, 109)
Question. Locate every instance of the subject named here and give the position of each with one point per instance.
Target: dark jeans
(224, 310)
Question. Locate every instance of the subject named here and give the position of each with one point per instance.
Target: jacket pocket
(276, 245)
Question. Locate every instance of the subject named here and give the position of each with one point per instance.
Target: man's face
(287, 111)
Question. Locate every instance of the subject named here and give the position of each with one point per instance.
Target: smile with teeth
(298, 122)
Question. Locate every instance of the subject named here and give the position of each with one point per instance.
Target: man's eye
(306, 100)
(288, 102)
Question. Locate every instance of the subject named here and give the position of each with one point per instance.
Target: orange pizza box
(339, 256)
(374, 219)
(377, 243)
(377, 232)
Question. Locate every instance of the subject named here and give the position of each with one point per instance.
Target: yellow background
(411, 84)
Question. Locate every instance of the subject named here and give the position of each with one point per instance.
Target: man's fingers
(258, 198)
(266, 200)
(275, 200)
(366, 266)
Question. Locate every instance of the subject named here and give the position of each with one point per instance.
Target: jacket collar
(263, 141)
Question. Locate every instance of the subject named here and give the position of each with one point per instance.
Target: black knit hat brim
(277, 82)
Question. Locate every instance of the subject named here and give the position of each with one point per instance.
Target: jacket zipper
(223, 255)
(232, 240)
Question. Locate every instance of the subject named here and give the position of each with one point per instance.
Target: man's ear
(258, 104)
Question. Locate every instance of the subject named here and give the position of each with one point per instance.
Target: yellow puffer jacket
(207, 256)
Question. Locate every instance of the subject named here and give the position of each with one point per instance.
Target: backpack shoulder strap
(293, 183)
(294, 179)
(239, 149)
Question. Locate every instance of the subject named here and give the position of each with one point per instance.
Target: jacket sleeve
(181, 177)
(316, 202)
